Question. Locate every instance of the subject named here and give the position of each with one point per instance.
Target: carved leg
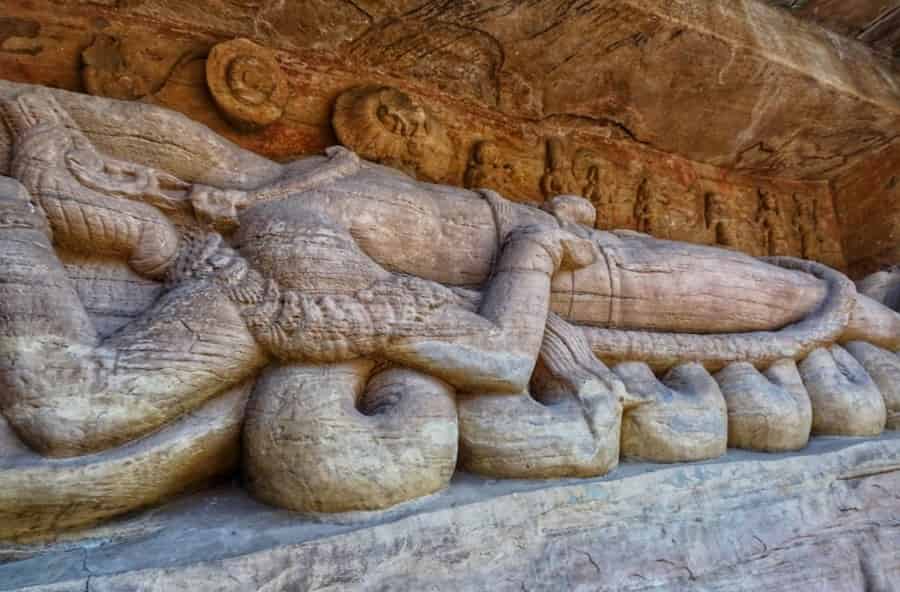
(343, 437)
(40, 495)
(495, 349)
(66, 394)
(570, 428)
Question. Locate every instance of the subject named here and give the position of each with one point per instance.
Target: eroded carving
(247, 83)
(720, 221)
(387, 125)
(368, 310)
(771, 223)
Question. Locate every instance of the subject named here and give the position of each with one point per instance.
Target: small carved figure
(586, 169)
(386, 125)
(107, 73)
(806, 226)
(771, 223)
(485, 167)
(650, 211)
(558, 178)
(720, 221)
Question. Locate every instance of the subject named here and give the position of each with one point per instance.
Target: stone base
(827, 518)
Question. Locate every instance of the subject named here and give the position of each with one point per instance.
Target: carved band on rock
(389, 329)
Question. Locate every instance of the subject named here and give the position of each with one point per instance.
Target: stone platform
(826, 518)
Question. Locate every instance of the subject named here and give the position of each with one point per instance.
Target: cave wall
(867, 202)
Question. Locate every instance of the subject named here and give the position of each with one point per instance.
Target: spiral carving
(247, 83)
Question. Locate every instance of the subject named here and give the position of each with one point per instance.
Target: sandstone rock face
(875, 23)
(822, 519)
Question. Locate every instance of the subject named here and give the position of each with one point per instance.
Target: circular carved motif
(386, 125)
(247, 83)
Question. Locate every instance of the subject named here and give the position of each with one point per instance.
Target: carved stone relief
(247, 83)
(370, 331)
(132, 68)
(386, 125)
(772, 225)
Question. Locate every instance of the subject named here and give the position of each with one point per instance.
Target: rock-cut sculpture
(365, 334)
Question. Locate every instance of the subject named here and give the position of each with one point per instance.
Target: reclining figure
(364, 333)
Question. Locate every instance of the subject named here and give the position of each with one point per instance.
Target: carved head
(487, 153)
(769, 201)
(716, 207)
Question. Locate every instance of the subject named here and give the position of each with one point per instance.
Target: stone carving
(883, 286)
(379, 330)
(768, 411)
(488, 168)
(805, 225)
(650, 210)
(845, 399)
(106, 72)
(247, 83)
(884, 368)
(720, 221)
(388, 126)
(558, 178)
(136, 67)
(771, 225)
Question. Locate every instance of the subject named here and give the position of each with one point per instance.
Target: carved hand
(217, 208)
(546, 249)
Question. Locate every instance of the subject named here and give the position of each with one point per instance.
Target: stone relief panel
(386, 125)
(247, 83)
(634, 192)
(348, 337)
(132, 67)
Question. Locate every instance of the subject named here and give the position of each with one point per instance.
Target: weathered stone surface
(767, 411)
(882, 286)
(345, 437)
(867, 204)
(824, 519)
(884, 369)
(845, 400)
(875, 22)
(680, 417)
